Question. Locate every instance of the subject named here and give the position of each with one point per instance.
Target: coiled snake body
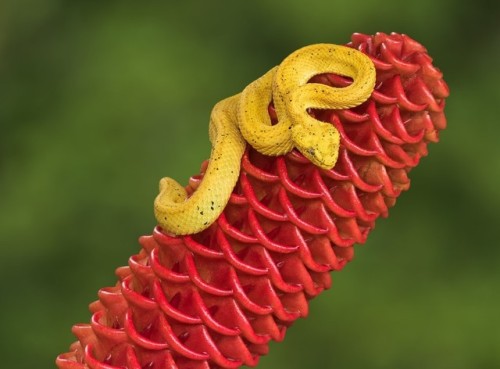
(244, 118)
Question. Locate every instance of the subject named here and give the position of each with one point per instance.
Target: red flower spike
(215, 299)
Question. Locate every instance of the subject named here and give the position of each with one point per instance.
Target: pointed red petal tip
(215, 299)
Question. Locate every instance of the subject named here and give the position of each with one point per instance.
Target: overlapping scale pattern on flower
(216, 299)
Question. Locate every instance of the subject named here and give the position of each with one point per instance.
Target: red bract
(215, 299)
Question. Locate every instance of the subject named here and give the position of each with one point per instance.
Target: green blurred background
(90, 92)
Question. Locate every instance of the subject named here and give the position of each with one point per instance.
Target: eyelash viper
(244, 118)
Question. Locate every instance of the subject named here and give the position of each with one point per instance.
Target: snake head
(317, 141)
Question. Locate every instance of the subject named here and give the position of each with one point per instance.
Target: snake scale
(244, 118)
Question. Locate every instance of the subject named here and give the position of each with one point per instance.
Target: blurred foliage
(89, 92)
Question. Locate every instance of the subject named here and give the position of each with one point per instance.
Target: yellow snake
(245, 117)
